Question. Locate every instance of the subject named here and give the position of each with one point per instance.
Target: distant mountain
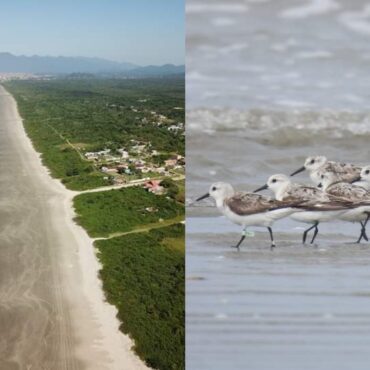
(58, 65)
(165, 70)
(80, 66)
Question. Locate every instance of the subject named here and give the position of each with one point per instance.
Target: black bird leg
(306, 231)
(363, 233)
(239, 242)
(271, 237)
(363, 230)
(315, 233)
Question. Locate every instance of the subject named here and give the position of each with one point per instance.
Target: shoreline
(98, 341)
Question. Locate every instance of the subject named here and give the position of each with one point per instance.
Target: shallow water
(268, 84)
(291, 308)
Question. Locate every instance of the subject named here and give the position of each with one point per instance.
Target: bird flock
(340, 191)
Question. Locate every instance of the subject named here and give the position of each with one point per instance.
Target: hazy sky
(138, 31)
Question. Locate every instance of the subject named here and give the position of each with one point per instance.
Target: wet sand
(52, 309)
(296, 307)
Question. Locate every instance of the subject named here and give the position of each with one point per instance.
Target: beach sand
(53, 313)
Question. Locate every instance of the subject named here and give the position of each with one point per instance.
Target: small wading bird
(318, 165)
(357, 195)
(249, 209)
(364, 179)
(316, 206)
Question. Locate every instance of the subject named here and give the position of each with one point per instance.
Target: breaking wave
(260, 123)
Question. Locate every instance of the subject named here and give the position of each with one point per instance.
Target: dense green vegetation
(97, 114)
(143, 275)
(143, 270)
(105, 213)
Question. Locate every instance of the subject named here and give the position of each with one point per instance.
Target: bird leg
(315, 233)
(240, 241)
(271, 237)
(306, 231)
(362, 235)
(363, 230)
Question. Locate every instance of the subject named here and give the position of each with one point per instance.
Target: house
(103, 152)
(91, 155)
(170, 162)
(123, 152)
(139, 166)
(160, 170)
(173, 128)
(138, 148)
(118, 181)
(145, 169)
(153, 186)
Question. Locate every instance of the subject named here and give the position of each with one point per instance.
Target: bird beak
(202, 197)
(356, 179)
(298, 171)
(320, 185)
(264, 187)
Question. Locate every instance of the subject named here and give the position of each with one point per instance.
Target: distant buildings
(153, 186)
(8, 76)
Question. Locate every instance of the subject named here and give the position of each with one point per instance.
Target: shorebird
(364, 179)
(318, 165)
(359, 196)
(316, 206)
(248, 209)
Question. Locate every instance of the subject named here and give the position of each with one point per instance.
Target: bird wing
(306, 193)
(314, 199)
(244, 204)
(345, 171)
(349, 192)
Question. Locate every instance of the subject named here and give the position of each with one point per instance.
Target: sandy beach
(52, 309)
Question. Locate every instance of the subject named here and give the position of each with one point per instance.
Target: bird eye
(214, 188)
(274, 180)
(367, 172)
(312, 161)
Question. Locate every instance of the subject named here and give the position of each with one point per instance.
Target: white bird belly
(316, 216)
(264, 219)
(356, 214)
(363, 184)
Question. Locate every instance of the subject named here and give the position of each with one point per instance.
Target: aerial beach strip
(93, 325)
(144, 236)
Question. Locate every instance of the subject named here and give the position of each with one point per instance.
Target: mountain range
(66, 65)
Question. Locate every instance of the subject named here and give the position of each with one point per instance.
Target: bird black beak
(202, 197)
(264, 187)
(356, 179)
(320, 185)
(298, 171)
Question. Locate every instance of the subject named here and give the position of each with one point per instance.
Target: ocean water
(268, 84)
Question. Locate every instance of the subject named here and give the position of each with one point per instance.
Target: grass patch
(109, 212)
(144, 279)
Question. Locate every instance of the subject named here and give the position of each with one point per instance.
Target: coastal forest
(139, 234)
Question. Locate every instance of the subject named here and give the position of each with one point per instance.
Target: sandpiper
(359, 196)
(364, 179)
(316, 206)
(318, 165)
(249, 209)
